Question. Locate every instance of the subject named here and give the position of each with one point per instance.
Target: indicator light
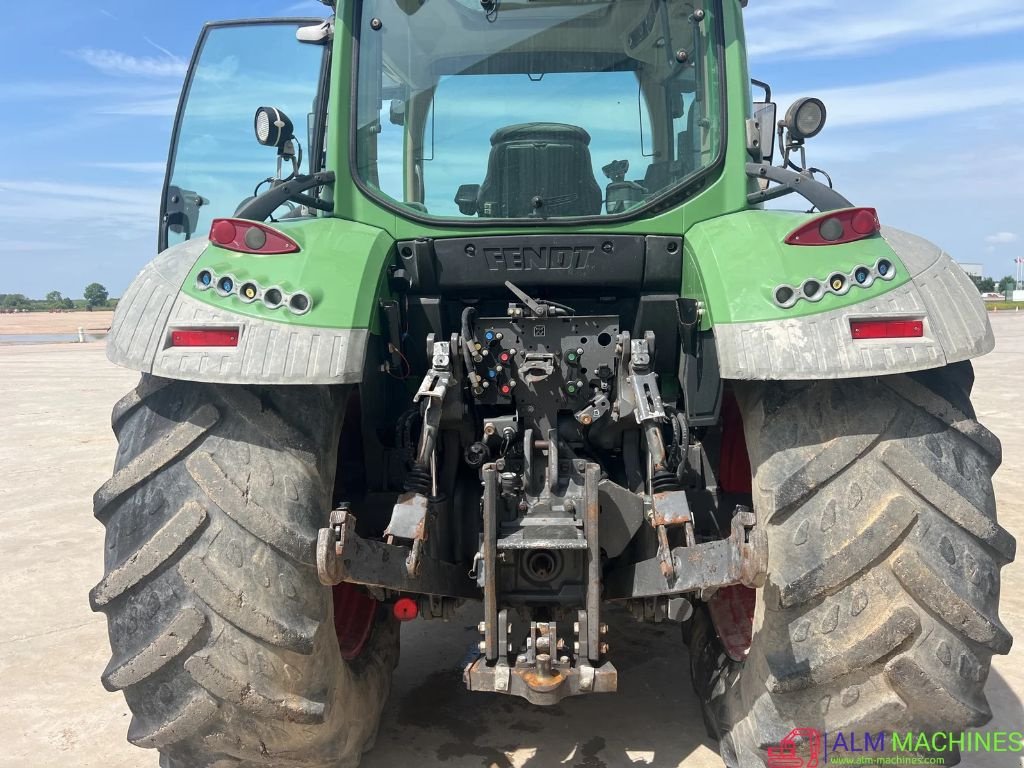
(831, 230)
(811, 288)
(255, 238)
(489, 336)
(861, 275)
(405, 609)
(493, 374)
(503, 357)
(226, 285)
(837, 282)
(505, 389)
(884, 267)
(205, 278)
(248, 291)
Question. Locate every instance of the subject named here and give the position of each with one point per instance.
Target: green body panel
(734, 263)
(341, 266)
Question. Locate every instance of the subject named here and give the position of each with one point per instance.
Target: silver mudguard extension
(956, 328)
(267, 353)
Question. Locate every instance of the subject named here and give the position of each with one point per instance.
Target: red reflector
(836, 228)
(247, 236)
(405, 609)
(205, 337)
(887, 329)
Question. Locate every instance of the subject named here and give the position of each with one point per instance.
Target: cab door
(215, 162)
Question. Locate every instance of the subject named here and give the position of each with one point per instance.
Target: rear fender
(341, 267)
(735, 263)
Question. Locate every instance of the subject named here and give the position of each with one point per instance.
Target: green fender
(735, 264)
(341, 267)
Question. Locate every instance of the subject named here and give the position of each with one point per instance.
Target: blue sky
(925, 102)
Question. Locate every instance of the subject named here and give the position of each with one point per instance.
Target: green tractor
(505, 329)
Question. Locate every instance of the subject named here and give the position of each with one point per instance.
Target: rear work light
(887, 329)
(247, 236)
(205, 337)
(837, 227)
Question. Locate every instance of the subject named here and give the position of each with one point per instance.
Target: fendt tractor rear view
(488, 322)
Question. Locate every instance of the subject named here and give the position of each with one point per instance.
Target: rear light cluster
(249, 291)
(887, 329)
(838, 283)
(246, 236)
(204, 337)
(837, 227)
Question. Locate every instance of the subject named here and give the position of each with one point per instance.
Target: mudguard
(737, 262)
(325, 345)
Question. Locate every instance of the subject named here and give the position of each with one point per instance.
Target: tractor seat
(545, 163)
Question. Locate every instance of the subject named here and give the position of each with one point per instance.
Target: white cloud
(809, 28)
(1002, 238)
(961, 90)
(92, 210)
(112, 62)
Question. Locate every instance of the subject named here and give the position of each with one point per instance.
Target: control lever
(536, 308)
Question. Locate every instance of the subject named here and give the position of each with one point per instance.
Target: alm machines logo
(785, 755)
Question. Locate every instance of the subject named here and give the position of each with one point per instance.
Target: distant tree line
(988, 285)
(95, 296)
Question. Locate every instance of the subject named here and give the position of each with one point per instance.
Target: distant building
(972, 270)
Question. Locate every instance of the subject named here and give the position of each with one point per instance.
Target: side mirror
(466, 198)
(272, 127)
(396, 112)
(182, 210)
(764, 117)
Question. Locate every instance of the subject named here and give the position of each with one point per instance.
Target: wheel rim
(354, 615)
(732, 613)
(732, 608)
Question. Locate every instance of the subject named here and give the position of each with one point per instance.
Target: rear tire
(223, 638)
(881, 607)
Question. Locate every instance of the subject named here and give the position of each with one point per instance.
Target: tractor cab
(462, 112)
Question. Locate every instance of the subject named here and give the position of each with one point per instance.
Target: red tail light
(887, 329)
(837, 227)
(247, 236)
(205, 337)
